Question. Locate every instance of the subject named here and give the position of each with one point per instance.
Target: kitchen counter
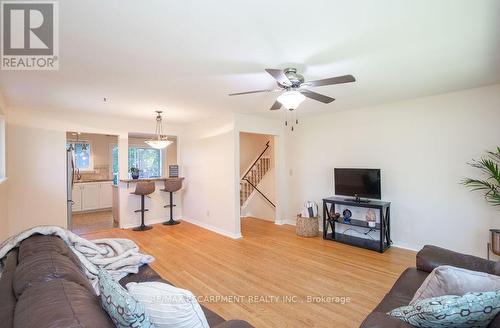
(128, 181)
(95, 180)
(145, 179)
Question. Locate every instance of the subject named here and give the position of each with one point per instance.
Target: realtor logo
(29, 35)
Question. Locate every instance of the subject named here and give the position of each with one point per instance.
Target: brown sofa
(43, 285)
(410, 280)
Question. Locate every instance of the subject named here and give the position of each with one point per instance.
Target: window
(115, 165)
(83, 160)
(147, 160)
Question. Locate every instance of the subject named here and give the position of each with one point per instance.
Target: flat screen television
(357, 182)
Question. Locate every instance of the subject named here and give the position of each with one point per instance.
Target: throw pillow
(124, 310)
(168, 306)
(449, 280)
(469, 310)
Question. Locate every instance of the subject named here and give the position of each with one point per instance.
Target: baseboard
(403, 246)
(212, 228)
(397, 245)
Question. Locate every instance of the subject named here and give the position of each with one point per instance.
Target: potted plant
(134, 171)
(489, 186)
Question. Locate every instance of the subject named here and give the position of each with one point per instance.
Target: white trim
(3, 180)
(396, 245)
(213, 229)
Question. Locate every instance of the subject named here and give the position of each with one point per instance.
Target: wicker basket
(307, 227)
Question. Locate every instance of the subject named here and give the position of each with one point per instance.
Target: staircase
(253, 177)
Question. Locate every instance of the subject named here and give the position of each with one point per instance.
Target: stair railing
(250, 170)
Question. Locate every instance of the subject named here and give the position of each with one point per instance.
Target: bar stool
(172, 185)
(143, 189)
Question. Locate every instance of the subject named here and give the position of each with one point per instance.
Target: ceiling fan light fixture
(291, 99)
(160, 141)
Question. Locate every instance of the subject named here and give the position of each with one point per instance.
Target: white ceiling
(185, 56)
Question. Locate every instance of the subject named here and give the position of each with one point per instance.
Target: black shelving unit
(384, 227)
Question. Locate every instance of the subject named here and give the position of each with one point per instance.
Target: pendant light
(160, 141)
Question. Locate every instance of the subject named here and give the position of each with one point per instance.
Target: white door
(90, 196)
(106, 195)
(76, 196)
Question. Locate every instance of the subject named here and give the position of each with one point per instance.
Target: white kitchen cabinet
(106, 194)
(90, 196)
(77, 198)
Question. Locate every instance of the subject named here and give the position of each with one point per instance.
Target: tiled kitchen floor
(94, 221)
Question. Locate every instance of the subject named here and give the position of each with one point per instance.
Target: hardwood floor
(93, 221)
(271, 260)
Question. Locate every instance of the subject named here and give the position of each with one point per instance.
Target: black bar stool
(172, 185)
(143, 189)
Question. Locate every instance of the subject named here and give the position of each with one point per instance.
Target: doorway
(92, 177)
(257, 176)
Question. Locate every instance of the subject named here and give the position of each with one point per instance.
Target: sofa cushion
(7, 297)
(169, 306)
(430, 257)
(59, 303)
(47, 267)
(448, 280)
(146, 273)
(41, 244)
(123, 308)
(383, 320)
(403, 290)
(469, 310)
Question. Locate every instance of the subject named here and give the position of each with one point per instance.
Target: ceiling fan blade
(275, 106)
(330, 81)
(317, 96)
(249, 92)
(279, 76)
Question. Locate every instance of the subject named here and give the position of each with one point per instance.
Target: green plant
(490, 185)
(134, 170)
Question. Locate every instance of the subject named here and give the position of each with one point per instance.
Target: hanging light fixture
(160, 141)
(291, 99)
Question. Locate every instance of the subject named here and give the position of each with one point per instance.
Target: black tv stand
(357, 200)
(334, 226)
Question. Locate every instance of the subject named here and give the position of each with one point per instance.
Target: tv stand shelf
(383, 228)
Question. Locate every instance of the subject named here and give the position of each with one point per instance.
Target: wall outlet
(208, 213)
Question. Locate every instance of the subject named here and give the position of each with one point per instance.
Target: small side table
(307, 227)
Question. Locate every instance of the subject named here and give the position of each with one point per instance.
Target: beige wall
(422, 147)
(4, 223)
(36, 165)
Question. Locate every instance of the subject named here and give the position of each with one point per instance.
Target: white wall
(36, 163)
(421, 146)
(207, 156)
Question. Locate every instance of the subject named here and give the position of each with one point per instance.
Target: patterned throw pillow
(169, 306)
(469, 310)
(123, 309)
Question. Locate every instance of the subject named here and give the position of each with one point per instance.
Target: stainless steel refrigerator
(70, 177)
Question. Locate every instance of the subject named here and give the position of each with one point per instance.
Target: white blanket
(118, 256)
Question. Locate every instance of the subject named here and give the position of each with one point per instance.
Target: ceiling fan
(294, 85)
